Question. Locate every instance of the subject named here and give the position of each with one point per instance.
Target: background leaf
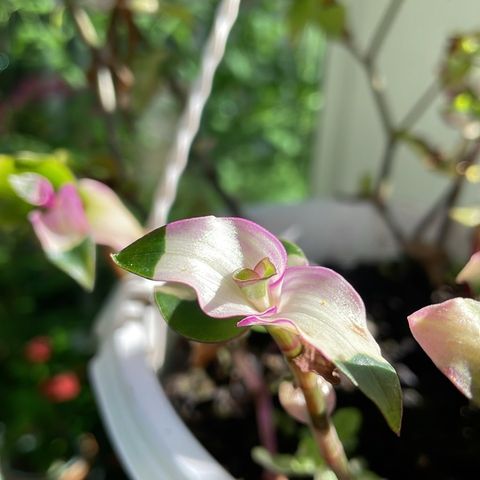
(78, 263)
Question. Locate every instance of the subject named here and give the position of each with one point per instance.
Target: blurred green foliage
(52, 166)
(264, 107)
(37, 300)
(38, 33)
(327, 15)
(258, 125)
(307, 462)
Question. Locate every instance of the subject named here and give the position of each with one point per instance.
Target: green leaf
(379, 382)
(78, 262)
(459, 64)
(187, 319)
(12, 209)
(285, 464)
(348, 421)
(299, 15)
(331, 19)
(142, 256)
(52, 166)
(359, 470)
(295, 254)
(308, 449)
(329, 16)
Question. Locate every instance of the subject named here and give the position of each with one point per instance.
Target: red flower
(61, 387)
(38, 350)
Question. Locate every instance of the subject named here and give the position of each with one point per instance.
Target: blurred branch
(435, 210)
(377, 88)
(387, 217)
(84, 26)
(230, 202)
(430, 216)
(419, 107)
(121, 14)
(378, 93)
(392, 132)
(212, 176)
(386, 165)
(101, 79)
(382, 30)
(455, 191)
(375, 83)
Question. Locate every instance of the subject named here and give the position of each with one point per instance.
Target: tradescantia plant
(69, 221)
(241, 275)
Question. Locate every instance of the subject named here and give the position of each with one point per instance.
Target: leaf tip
(378, 380)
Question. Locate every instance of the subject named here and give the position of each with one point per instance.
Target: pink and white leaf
(64, 224)
(204, 253)
(293, 400)
(238, 268)
(449, 333)
(326, 311)
(470, 273)
(110, 220)
(35, 189)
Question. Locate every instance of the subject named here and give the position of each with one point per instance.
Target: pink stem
(249, 370)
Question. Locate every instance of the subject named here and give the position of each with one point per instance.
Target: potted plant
(69, 216)
(379, 200)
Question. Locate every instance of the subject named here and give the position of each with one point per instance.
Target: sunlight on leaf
(449, 333)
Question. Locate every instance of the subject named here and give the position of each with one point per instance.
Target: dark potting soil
(440, 437)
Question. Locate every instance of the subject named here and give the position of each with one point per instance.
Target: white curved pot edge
(151, 440)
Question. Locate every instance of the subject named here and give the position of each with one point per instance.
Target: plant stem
(390, 222)
(431, 214)
(100, 59)
(368, 62)
(374, 82)
(457, 186)
(383, 28)
(386, 165)
(321, 424)
(377, 90)
(419, 107)
(249, 370)
(439, 205)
